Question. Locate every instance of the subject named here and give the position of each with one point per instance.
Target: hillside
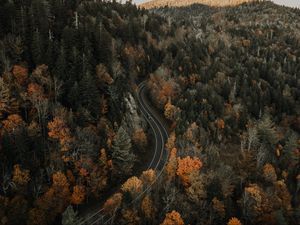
(179, 3)
(92, 92)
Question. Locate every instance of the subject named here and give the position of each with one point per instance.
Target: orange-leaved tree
(234, 221)
(133, 185)
(78, 194)
(186, 166)
(13, 123)
(171, 142)
(171, 166)
(269, 173)
(148, 177)
(113, 203)
(171, 112)
(173, 218)
(59, 130)
(20, 73)
(20, 176)
(139, 138)
(148, 207)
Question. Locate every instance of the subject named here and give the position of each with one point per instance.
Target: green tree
(69, 216)
(123, 158)
(89, 94)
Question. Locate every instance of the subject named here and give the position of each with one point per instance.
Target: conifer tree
(37, 48)
(89, 94)
(123, 158)
(69, 217)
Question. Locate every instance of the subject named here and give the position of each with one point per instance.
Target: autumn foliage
(234, 221)
(20, 176)
(171, 166)
(13, 122)
(59, 130)
(140, 138)
(78, 195)
(113, 203)
(173, 218)
(269, 173)
(148, 207)
(35, 91)
(148, 177)
(133, 185)
(171, 112)
(20, 73)
(186, 166)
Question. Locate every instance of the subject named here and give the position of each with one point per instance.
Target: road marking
(159, 126)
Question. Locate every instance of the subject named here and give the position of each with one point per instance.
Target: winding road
(158, 160)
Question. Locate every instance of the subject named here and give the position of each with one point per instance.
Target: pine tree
(89, 94)
(37, 48)
(60, 65)
(123, 158)
(69, 217)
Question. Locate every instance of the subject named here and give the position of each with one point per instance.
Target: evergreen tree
(69, 216)
(89, 94)
(60, 65)
(37, 48)
(123, 158)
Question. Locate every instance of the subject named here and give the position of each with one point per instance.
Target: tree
(37, 47)
(78, 194)
(173, 218)
(8, 103)
(133, 185)
(69, 217)
(60, 131)
(148, 177)
(122, 157)
(170, 145)
(219, 207)
(172, 164)
(13, 123)
(192, 132)
(89, 94)
(269, 173)
(130, 216)
(234, 221)
(20, 177)
(102, 75)
(196, 192)
(171, 112)
(20, 73)
(139, 138)
(113, 203)
(186, 166)
(148, 207)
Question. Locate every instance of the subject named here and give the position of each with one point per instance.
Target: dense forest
(226, 80)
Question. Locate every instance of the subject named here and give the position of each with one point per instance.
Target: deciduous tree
(269, 173)
(20, 176)
(139, 138)
(113, 203)
(60, 131)
(234, 221)
(78, 194)
(133, 185)
(173, 218)
(186, 166)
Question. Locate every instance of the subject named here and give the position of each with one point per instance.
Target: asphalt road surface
(159, 157)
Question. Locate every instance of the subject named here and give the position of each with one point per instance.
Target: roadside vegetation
(227, 80)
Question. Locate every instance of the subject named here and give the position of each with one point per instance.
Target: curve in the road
(157, 161)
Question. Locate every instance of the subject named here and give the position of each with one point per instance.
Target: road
(158, 160)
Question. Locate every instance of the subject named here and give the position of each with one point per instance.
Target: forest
(226, 81)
